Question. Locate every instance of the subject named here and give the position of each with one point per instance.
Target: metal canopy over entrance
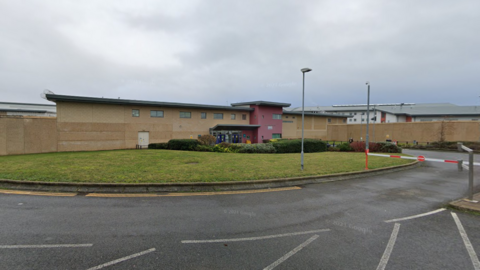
(234, 127)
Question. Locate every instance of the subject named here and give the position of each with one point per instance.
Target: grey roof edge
(444, 114)
(34, 104)
(25, 110)
(261, 102)
(317, 114)
(81, 99)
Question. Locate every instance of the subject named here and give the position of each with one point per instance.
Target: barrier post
(461, 147)
(470, 175)
(460, 165)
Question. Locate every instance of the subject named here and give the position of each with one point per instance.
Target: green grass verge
(167, 166)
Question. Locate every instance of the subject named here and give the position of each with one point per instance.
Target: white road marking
(48, 246)
(122, 259)
(291, 253)
(251, 238)
(389, 248)
(466, 241)
(416, 216)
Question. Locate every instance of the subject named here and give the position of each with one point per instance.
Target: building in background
(27, 109)
(90, 123)
(400, 112)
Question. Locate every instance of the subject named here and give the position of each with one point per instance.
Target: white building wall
(390, 118)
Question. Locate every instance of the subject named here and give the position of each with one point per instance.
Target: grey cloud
(410, 51)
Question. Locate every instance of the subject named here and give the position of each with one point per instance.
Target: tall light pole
(303, 70)
(368, 120)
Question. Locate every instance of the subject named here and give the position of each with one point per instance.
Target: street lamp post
(368, 120)
(303, 70)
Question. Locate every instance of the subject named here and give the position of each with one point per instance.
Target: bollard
(460, 165)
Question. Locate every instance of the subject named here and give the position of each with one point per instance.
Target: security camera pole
(303, 70)
(368, 120)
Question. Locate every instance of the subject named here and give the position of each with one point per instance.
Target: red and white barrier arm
(422, 158)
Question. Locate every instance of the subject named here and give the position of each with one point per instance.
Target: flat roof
(235, 127)
(262, 103)
(317, 114)
(64, 98)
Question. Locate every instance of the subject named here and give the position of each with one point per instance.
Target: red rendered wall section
(263, 116)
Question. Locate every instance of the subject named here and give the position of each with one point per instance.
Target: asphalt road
(337, 225)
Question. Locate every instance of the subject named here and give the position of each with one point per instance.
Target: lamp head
(367, 83)
(304, 70)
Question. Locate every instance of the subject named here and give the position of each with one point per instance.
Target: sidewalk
(462, 204)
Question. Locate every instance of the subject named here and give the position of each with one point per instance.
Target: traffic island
(194, 186)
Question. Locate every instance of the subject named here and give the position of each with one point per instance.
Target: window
(135, 113)
(277, 116)
(287, 121)
(203, 115)
(185, 115)
(270, 127)
(329, 120)
(156, 113)
(276, 136)
(363, 113)
(233, 116)
(263, 116)
(363, 119)
(355, 120)
(218, 116)
(244, 117)
(344, 120)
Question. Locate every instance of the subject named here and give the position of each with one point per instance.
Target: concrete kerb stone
(465, 205)
(194, 187)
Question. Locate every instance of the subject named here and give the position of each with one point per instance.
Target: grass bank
(162, 166)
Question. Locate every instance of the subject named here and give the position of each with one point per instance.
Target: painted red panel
(263, 116)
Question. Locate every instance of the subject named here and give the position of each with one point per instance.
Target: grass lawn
(161, 166)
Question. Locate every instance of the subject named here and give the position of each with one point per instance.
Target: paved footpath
(393, 221)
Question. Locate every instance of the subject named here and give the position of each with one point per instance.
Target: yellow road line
(191, 193)
(134, 195)
(37, 193)
(124, 195)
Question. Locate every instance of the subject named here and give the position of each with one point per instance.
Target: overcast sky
(214, 52)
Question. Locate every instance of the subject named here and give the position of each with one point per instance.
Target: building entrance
(229, 136)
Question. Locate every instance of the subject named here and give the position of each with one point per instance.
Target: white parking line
(389, 248)
(251, 238)
(48, 246)
(291, 253)
(122, 259)
(416, 216)
(466, 241)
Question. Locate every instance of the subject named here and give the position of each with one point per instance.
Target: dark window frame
(135, 110)
(190, 114)
(156, 114)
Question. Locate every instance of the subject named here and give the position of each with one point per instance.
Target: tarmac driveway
(337, 225)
